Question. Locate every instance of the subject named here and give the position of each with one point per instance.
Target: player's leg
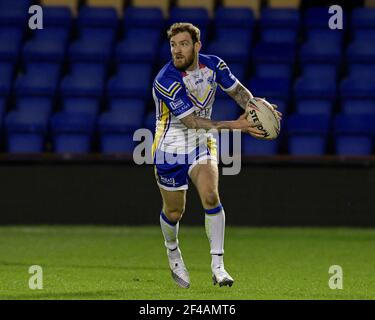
(173, 209)
(206, 179)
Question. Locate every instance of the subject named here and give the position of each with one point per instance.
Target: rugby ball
(262, 111)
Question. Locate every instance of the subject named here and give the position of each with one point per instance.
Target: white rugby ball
(262, 111)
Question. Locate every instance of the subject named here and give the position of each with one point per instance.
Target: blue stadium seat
(274, 60)
(361, 70)
(358, 106)
(37, 105)
(360, 88)
(232, 46)
(363, 18)
(3, 106)
(279, 25)
(280, 18)
(274, 70)
(318, 17)
(94, 45)
(47, 45)
(40, 79)
(276, 53)
(320, 70)
(10, 43)
(165, 53)
(26, 132)
(139, 45)
(134, 105)
(86, 105)
(354, 124)
(97, 17)
(225, 109)
(131, 81)
(256, 147)
(361, 51)
(363, 35)
(321, 52)
(307, 134)
(57, 17)
(115, 135)
(1, 117)
(84, 80)
(6, 75)
(146, 34)
(196, 16)
(358, 94)
(270, 88)
(231, 17)
(224, 50)
(354, 134)
(133, 110)
(139, 17)
(117, 143)
(240, 35)
(150, 121)
(72, 133)
(314, 107)
(315, 88)
(14, 13)
(322, 36)
(20, 5)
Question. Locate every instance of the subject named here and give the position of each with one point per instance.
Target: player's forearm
(192, 121)
(241, 95)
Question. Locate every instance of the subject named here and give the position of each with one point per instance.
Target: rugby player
(184, 92)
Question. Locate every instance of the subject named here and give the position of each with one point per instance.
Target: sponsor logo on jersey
(169, 181)
(176, 104)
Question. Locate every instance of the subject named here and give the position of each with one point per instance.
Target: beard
(183, 63)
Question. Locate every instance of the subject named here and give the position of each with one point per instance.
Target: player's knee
(211, 200)
(174, 214)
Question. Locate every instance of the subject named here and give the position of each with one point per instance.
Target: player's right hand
(249, 127)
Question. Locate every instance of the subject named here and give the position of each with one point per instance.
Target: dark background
(280, 191)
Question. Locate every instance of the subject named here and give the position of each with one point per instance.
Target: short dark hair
(179, 27)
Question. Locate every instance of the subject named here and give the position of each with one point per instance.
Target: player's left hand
(278, 114)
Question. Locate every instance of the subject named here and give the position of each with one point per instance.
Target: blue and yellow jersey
(178, 94)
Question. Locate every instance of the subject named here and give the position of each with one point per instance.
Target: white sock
(215, 229)
(170, 233)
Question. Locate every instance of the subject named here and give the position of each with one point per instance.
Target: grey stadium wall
(267, 192)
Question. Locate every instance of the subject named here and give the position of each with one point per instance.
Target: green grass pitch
(86, 262)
